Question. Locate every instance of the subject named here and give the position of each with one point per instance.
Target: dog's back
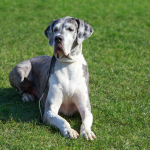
(29, 77)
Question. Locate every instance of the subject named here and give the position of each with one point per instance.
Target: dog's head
(66, 36)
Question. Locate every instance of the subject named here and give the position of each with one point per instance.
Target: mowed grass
(118, 56)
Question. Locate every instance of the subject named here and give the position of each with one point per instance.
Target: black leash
(51, 71)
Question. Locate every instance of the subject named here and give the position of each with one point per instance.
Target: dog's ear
(84, 31)
(49, 32)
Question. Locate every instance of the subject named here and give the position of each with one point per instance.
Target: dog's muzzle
(58, 47)
(58, 44)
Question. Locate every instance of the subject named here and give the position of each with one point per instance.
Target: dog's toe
(74, 134)
(27, 97)
(88, 135)
(71, 133)
(31, 97)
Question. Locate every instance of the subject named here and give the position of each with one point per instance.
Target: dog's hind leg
(21, 79)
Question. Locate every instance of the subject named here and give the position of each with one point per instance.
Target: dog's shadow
(13, 108)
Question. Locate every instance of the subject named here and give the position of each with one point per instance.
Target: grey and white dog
(68, 88)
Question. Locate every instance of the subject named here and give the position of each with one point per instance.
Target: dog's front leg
(51, 117)
(87, 119)
(81, 100)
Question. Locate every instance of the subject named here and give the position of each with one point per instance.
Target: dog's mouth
(59, 51)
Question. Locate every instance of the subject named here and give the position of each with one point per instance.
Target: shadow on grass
(12, 107)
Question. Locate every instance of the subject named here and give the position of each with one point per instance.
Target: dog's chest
(69, 77)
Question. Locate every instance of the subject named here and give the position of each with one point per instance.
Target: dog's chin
(60, 55)
(59, 52)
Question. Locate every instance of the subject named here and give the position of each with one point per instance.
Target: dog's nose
(58, 39)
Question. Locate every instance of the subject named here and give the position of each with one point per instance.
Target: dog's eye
(69, 29)
(55, 30)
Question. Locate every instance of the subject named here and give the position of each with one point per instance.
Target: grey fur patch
(72, 21)
(86, 75)
(31, 76)
(76, 48)
(49, 33)
(84, 30)
(80, 35)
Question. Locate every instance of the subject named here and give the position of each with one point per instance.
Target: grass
(118, 56)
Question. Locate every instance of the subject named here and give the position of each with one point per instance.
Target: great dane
(68, 88)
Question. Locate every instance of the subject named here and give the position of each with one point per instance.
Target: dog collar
(69, 60)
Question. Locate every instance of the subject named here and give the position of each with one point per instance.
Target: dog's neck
(75, 54)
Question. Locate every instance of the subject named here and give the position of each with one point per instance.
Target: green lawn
(118, 56)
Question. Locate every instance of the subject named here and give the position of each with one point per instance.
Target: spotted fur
(68, 88)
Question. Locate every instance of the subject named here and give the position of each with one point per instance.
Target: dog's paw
(70, 133)
(88, 135)
(27, 97)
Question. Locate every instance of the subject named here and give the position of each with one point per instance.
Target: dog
(68, 87)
